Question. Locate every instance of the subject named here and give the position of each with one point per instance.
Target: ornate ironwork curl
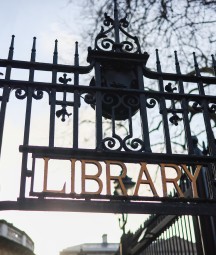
(115, 44)
(90, 99)
(151, 104)
(21, 93)
(37, 94)
(107, 44)
(109, 99)
(109, 143)
(136, 144)
(123, 22)
(63, 113)
(116, 143)
(169, 88)
(108, 20)
(175, 119)
(212, 108)
(197, 106)
(131, 101)
(127, 46)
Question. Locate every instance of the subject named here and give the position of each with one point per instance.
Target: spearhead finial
(115, 5)
(76, 55)
(116, 22)
(11, 48)
(55, 53)
(33, 51)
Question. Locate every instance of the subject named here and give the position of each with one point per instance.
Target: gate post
(206, 225)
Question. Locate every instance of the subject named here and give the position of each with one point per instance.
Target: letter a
(148, 181)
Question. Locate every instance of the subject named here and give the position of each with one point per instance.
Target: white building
(103, 248)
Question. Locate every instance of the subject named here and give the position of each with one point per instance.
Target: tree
(185, 26)
(168, 25)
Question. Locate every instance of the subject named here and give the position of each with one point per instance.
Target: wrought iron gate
(118, 93)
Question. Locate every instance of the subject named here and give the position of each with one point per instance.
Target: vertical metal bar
(209, 131)
(176, 238)
(184, 105)
(166, 243)
(163, 243)
(24, 171)
(155, 247)
(53, 98)
(208, 224)
(163, 109)
(183, 232)
(180, 241)
(172, 240)
(151, 249)
(190, 233)
(116, 23)
(99, 134)
(198, 238)
(143, 112)
(214, 64)
(76, 101)
(169, 240)
(160, 245)
(6, 92)
(32, 176)
(186, 231)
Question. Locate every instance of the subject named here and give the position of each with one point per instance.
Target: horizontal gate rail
(92, 205)
(120, 105)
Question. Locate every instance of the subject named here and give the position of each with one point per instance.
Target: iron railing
(119, 91)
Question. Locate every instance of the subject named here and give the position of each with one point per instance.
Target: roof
(92, 247)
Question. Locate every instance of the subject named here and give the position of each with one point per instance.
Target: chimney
(104, 239)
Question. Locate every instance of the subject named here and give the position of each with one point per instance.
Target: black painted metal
(122, 98)
(169, 235)
(172, 234)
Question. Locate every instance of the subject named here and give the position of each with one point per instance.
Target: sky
(47, 20)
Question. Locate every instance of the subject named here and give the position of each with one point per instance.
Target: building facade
(103, 248)
(14, 241)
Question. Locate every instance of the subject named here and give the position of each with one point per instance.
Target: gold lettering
(171, 180)
(91, 177)
(46, 160)
(193, 178)
(73, 175)
(148, 181)
(119, 178)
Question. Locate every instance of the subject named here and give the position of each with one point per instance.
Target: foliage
(185, 26)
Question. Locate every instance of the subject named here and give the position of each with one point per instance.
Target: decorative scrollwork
(123, 22)
(175, 119)
(136, 144)
(64, 79)
(169, 88)
(197, 106)
(116, 143)
(37, 94)
(107, 44)
(21, 93)
(212, 108)
(111, 99)
(127, 46)
(108, 20)
(151, 104)
(63, 113)
(131, 101)
(112, 143)
(130, 45)
(90, 99)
